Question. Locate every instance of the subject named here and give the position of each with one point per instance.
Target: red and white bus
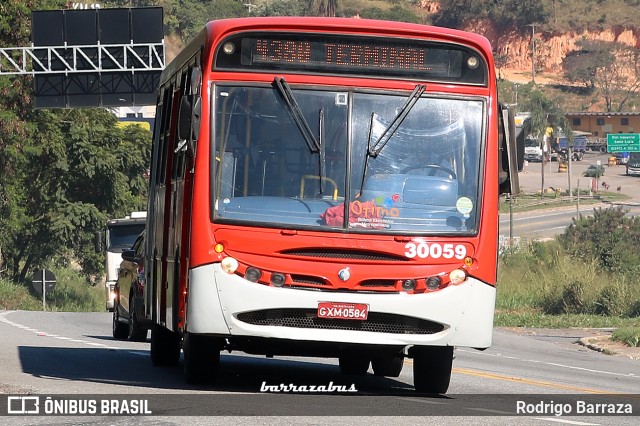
(327, 187)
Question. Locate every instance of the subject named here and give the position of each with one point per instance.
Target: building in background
(600, 124)
(141, 115)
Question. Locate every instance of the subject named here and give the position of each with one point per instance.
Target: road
(46, 353)
(544, 224)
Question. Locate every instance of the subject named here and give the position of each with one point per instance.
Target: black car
(128, 320)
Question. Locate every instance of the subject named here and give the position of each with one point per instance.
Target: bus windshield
(122, 237)
(379, 167)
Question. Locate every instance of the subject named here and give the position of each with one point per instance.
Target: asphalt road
(545, 224)
(45, 353)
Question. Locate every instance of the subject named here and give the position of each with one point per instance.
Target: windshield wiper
(287, 94)
(314, 144)
(373, 150)
(390, 130)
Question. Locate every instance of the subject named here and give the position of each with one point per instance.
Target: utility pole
(533, 52)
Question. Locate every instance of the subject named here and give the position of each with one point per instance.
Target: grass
(630, 336)
(71, 294)
(540, 287)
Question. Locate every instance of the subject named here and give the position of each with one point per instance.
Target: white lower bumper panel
(217, 298)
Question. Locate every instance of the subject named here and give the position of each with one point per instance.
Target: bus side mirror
(188, 123)
(197, 109)
(184, 119)
(130, 256)
(511, 152)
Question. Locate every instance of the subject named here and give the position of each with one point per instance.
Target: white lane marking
(533, 361)
(488, 410)
(55, 336)
(569, 422)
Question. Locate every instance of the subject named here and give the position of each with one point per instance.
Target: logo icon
(344, 274)
(23, 405)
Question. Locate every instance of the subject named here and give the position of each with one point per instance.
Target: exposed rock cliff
(550, 48)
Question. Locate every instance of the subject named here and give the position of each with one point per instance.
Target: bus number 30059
(435, 250)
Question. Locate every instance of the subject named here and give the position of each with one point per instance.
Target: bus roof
(216, 30)
(348, 25)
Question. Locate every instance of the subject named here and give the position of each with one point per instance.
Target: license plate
(347, 311)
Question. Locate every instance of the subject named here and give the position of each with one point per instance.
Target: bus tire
(165, 346)
(432, 368)
(201, 358)
(388, 366)
(120, 329)
(353, 362)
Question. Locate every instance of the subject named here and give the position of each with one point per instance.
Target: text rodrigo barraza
(577, 407)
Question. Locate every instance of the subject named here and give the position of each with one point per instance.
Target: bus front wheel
(432, 368)
(201, 358)
(388, 366)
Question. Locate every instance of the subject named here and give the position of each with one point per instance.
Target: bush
(607, 237)
(627, 335)
(611, 302)
(634, 309)
(571, 300)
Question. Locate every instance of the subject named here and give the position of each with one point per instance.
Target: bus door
(181, 188)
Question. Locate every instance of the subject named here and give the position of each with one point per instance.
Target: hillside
(551, 48)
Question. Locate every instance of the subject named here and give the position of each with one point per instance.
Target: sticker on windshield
(341, 98)
(464, 205)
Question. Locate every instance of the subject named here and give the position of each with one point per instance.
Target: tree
(322, 7)
(64, 172)
(609, 68)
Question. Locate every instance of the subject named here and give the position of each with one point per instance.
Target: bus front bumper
(217, 300)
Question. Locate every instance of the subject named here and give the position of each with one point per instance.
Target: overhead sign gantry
(91, 58)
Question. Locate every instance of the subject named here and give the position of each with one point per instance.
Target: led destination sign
(348, 55)
(322, 53)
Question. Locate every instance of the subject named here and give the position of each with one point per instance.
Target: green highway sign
(623, 142)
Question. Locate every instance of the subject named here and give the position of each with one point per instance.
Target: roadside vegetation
(72, 293)
(587, 277)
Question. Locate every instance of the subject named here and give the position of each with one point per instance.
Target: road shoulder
(595, 339)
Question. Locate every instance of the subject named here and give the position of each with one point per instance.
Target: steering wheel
(434, 167)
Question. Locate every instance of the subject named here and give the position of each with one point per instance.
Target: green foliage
(396, 13)
(543, 278)
(571, 300)
(74, 294)
(70, 171)
(612, 301)
(607, 237)
(507, 14)
(64, 171)
(610, 69)
(71, 294)
(627, 335)
(14, 297)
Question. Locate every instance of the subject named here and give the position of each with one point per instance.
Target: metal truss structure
(101, 58)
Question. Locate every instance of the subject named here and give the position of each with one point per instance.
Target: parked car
(128, 310)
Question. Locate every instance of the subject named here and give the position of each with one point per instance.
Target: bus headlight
(229, 265)
(457, 276)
